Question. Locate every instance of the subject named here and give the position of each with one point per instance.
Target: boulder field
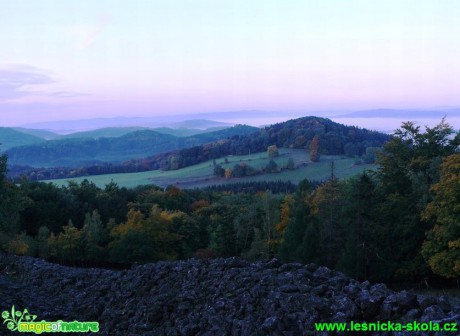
(209, 297)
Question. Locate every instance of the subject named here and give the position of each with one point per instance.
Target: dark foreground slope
(215, 297)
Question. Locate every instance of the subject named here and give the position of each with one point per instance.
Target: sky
(78, 59)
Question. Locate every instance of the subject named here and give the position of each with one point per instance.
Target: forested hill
(149, 150)
(87, 151)
(334, 139)
(10, 137)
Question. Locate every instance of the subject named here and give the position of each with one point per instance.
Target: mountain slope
(334, 139)
(107, 132)
(185, 132)
(10, 137)
(238, 130)
(172, 121)
(134, 145)
(84, 151)
(41, 133)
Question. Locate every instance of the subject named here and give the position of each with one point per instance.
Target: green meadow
(201, 175)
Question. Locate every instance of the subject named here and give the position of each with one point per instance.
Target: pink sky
(83, 59)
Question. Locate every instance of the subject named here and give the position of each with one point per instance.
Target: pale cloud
(18, 82)
(15, 81)
(85, 35)
(67, 94)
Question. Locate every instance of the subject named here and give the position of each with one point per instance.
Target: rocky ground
(208, 297)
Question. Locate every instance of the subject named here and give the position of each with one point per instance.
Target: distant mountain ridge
(113, 132)
(44, 134)
(74, 152)
(72, 126)
(403, 114)
(10, 138)
(108, 132)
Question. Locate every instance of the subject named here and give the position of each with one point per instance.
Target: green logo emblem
(13, 319)
(24, 322)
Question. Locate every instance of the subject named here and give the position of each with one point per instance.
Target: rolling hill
(114, 132)
(201, 175)
(173, 153)
(334, 139)
(185, 132)
(74, 152)
(41, 133)
(10, 138)
(173, 121)
(107, 132)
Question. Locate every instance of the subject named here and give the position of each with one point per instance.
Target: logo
(24, 322)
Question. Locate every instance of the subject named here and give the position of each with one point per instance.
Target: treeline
(399, 224)
(332, 138)
(276, 187)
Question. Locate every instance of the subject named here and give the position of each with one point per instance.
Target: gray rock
(426, 301)
(444, 304)
(270, 323)
(432, 313)
(208, 297)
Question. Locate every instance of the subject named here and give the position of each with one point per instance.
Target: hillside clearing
(201, 175)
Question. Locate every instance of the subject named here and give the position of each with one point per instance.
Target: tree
(173, 162)
(191, 231)
(228, 173)
(68, 245)
(269, 219)
(219, 171)
(239, 170)
(371, 154)
(272, 167)
(3, 168)
(300, 240)
(144, 239)
(314, 149)
(244, 225)
(290, 164)
(442, 246)
(272, 151)
(21, 244)
(42, 242)
(359, 210)
(350, 149)
(221, 228)
(327, 204)
(12, 202)
(94, 236)
(300, 141)
(408, 166)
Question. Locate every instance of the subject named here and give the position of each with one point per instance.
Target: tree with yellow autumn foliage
(144, 238)
(442, 247)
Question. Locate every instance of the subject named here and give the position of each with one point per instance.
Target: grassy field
(201, 175)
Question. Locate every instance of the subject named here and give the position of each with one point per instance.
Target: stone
(208, 297)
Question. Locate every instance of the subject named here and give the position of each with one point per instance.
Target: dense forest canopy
(398, 224)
